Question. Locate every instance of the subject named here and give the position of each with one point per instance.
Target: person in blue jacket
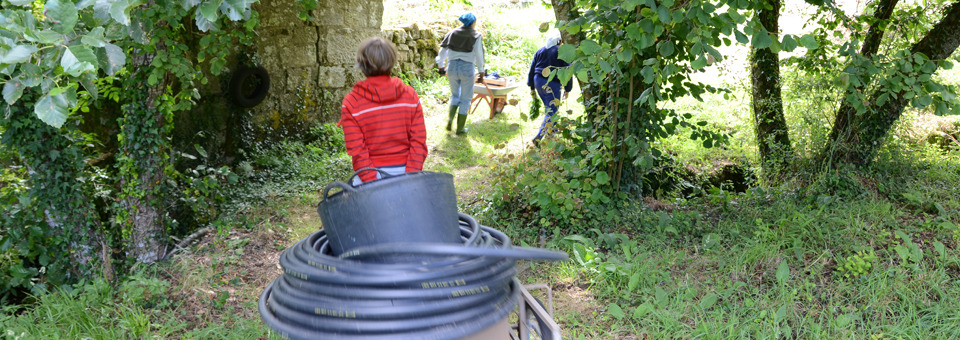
(546, 59)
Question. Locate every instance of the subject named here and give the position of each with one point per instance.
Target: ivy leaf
(667, 48)
(89, 83)
(809, 42)
(788, 43)
(761, 40)
(603, 178)
(94, 38)
(111, 58)
(18, 54)
(63, 14)
(52, 110)
(118, 11)
(567, 52)
(209, 9)
(589, 47)
(12, 90)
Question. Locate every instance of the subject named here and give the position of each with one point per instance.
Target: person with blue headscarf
(544, 62)
(462, 52)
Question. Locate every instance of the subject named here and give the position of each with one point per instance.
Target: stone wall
(417, 46)
(311, 68)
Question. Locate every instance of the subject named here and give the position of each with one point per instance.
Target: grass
(763, 264)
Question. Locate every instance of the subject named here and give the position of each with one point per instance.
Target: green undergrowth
(861, 254)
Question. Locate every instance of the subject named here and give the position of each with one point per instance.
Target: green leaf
(89, 83)
(82, 4)
(646, 40)
(589, 47)
(939, 247)
(189, 3)
(94, 38)
(667, 48)
(17, 54)
(634, 281)
(118, 11)
(209, 9)
(946, 64)
(809, 42)
(5, 244)
(708, 301)
(31, 74)
(20, 2)
(18, 271)
(567, 52)
(630, 5)
(699, 63)
(642, 310)
(73, 65)
(603, 178)
(83, 53)
(111, 58)
(783, 272)
(12, 90)
(663, 14)
(741, 38)
(788, 43)
(616, 311)
(200, 150)
(63, 14)
(52, 110)
(761, 40)
(625, 54)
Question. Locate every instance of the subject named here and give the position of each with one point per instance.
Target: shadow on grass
(500, 129)
(458, 150)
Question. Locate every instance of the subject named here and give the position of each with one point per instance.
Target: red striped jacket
(382, 123)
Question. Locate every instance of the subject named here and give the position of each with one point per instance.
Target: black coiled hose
(441, 291)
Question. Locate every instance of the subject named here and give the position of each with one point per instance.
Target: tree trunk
(841, 125)
(864, 136)
(145, 147)
(772, 138)
(565, 11)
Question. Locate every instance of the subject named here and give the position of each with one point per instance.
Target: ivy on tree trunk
(144, 159)
(773, 140)
(859, 143)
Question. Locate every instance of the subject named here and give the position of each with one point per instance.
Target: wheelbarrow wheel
(536, 328)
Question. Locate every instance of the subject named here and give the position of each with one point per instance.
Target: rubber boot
(461, 120)
(453, 113)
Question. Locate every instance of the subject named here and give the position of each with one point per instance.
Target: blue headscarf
(468, 18)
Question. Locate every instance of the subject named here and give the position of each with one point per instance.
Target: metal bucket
(411, 207)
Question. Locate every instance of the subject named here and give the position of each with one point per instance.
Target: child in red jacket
(381, 117)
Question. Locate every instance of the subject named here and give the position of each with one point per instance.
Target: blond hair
(376, 57)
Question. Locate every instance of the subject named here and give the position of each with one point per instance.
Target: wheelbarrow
(495, 93)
